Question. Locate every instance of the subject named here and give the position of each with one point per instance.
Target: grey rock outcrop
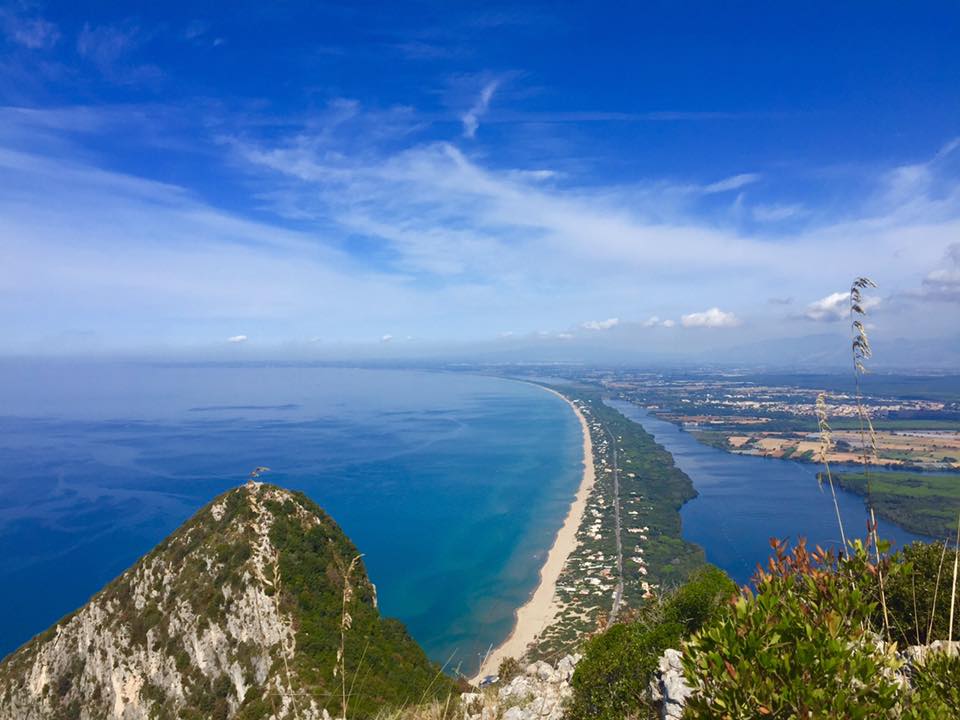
(668, 687)
(540, 693)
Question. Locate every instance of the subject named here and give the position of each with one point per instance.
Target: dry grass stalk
(826, 444)
(953, 588)
(346, 621)
(861, 351)
(936, 589)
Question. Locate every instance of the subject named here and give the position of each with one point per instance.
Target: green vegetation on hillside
(242, 609)
(918, 594)
(806, 643)
(807, 640)
(384, 666)
(611, 680)
(923, 503)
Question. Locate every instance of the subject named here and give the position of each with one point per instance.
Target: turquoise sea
(453, 485)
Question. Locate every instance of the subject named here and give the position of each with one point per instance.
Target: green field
(923, 503)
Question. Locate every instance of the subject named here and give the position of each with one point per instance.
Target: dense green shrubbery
(383, 665)
(802, 646)
(508, 670)
(937, 687)
(911, 588)
(610, 682)
(807, 642)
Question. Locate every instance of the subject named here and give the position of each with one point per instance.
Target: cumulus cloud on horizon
(601, 324)
(712, 318)
(655, 321)
(835, 306)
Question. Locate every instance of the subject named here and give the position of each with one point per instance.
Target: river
(745, 500)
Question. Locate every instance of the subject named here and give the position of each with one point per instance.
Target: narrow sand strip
(540, 610)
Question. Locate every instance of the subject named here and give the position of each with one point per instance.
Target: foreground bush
(804, 645)
(918, 593)
(610, 682)
(936, 683)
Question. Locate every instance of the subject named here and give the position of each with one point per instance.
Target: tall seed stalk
(953, 589)
(861, 351)
(826, 444)
(936, 588)
(346, 621)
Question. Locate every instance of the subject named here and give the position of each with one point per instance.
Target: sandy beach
(541, 609)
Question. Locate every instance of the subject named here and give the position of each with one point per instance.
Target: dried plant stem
(357, 673)
(340, 668)
(883, 595)
(936, 589)
(953, 588)
(836, 507)
(826, 443)
(916, 613)
(861, 351)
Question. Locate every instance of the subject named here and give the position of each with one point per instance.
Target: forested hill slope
(238, 614)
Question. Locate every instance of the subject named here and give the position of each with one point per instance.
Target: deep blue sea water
(453, 485)
(743, 501)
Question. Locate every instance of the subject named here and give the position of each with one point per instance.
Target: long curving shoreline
(541, 609)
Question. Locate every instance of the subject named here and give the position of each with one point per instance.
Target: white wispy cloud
(775, 213)
(459, 242)
(33, 33)
(107, 47)
(236, 339)
(105, 44)
(471, 118)
(944, 282)
(732, 183)
(601, 324)
(712, 318)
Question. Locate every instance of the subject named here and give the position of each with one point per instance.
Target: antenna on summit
(254, 474)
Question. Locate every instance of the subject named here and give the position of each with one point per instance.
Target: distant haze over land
(820, 353)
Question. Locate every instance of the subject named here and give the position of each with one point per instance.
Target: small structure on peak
(254, 474)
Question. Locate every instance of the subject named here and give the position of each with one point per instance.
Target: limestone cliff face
(236, 615)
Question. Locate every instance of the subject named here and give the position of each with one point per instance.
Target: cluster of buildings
(587, 587)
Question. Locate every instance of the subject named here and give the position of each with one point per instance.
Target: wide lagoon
(453, 485)
(743, 501)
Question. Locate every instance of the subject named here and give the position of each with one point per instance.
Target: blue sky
(328, 179)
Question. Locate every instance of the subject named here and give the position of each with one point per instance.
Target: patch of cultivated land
(921, 502)
(928, 449)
